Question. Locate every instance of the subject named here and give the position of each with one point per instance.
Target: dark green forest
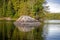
(16, 8)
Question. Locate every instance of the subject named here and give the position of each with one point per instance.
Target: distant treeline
(53, 16)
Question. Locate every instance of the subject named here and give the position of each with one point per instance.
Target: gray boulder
(26, 23)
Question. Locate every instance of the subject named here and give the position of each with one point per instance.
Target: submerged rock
(26, 23)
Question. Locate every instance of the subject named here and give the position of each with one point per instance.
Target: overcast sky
(54, 5)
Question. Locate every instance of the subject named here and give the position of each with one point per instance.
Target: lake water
(52, 30)
(49, 31)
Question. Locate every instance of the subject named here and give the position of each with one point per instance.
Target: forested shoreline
(16, 8)
(13, 9)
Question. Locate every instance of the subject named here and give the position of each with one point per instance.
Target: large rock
(26, 23)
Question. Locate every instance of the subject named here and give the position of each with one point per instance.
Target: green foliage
(8, 10)
(53, 16)
(1, 7)
(16, 8)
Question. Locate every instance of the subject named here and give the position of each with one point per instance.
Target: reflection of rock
(26, 23)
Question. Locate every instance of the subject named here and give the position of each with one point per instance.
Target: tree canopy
(16, 8)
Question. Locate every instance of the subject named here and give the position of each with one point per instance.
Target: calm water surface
(50, 31)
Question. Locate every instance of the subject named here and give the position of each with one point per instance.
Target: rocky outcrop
(26, 23)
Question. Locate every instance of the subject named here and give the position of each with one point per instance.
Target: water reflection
(9, 32)
(6, 29)
(52, 21)
(52, 31)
